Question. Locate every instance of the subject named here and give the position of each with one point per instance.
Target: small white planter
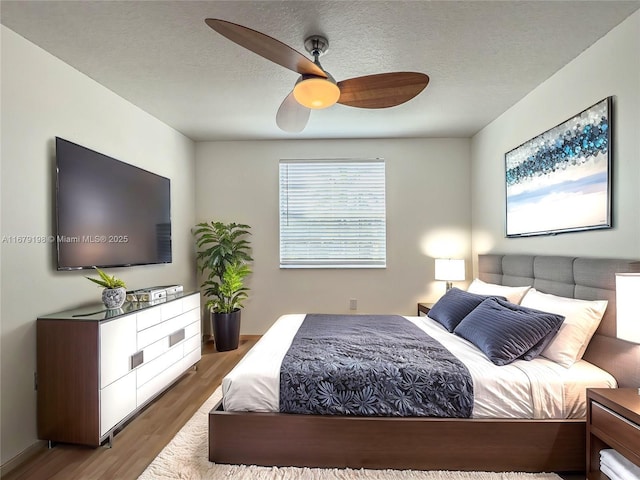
(114, 297)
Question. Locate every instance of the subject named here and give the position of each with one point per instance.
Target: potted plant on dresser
(114, 290)
(223, 257)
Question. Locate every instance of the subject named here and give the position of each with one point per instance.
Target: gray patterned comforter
(373, 365)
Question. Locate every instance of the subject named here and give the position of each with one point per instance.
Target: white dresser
(98, 368)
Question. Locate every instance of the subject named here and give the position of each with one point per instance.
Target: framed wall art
(560, 181)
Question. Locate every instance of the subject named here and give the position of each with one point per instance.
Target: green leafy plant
(107, 281)
(223, 255)
(230, 292)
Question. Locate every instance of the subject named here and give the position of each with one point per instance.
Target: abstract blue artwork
(560, 181)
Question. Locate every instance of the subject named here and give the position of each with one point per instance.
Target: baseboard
(22, 457)
(250, 337)
(209, 338)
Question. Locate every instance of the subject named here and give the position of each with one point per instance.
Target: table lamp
(449, 270)
(627, 302)
(628, 306)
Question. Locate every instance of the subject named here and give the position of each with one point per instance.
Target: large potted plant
(223, 257)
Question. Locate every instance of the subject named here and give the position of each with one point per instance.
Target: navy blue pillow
(454, 305)
(537, 349)
(505, 331)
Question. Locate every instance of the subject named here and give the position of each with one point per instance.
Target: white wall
(42, 98)
(428, 215)
(611, 67)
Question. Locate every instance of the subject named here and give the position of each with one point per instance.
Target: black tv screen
(109, 213)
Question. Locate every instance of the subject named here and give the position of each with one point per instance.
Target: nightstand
(423, 309)
(613, 421)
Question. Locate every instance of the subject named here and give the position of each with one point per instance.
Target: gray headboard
(575, 277)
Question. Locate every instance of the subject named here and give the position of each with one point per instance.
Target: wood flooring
(140, 441)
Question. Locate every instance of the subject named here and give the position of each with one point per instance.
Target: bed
(544, 442)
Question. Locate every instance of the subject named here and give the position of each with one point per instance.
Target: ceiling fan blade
(382, 90)
(292, 117)
(266, 46)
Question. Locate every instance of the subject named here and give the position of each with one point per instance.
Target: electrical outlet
(353, 304)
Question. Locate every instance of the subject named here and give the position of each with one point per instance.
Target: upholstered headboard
(575, 277)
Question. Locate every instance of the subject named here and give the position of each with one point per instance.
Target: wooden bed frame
(438, 443)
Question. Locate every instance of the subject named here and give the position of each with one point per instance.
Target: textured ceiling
(482, 57)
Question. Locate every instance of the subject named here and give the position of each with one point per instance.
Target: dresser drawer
(193, 330)
(158, 365)
(153, 316)
(155, 350)
(171, 309)
(159, 382)
(152, 334)
(191, 302)
(148, 318)
(117, 401)
(192, 343)
(620, 429)
(117, 346)
(182, 321)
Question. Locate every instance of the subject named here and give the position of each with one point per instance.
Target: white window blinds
(332, 213)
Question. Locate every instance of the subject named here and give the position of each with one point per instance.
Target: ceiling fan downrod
(317, 46)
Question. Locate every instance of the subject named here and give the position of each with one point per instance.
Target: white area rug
(186, 458)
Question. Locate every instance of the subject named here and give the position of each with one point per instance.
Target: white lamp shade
(316, 92)
(449, 269)
(628, 306)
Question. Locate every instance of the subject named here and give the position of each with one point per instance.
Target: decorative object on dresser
(223, 252)
(114, 293)
(450, 270)
(560, 181)
(97, 368)
(613, 433)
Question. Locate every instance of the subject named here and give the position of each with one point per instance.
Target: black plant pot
(226, 330)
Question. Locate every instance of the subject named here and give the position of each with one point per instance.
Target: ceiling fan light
(316, 92)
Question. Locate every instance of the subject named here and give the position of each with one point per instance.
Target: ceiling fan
(316, 88)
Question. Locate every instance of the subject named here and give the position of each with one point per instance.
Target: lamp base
(449, 286)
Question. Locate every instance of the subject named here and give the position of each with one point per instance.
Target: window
(332, 214)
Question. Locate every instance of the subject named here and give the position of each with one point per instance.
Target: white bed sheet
(539, 388)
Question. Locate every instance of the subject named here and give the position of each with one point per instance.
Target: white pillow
(512, 294)
(582, 318)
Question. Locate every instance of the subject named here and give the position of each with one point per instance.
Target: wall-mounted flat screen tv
(109, 213)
